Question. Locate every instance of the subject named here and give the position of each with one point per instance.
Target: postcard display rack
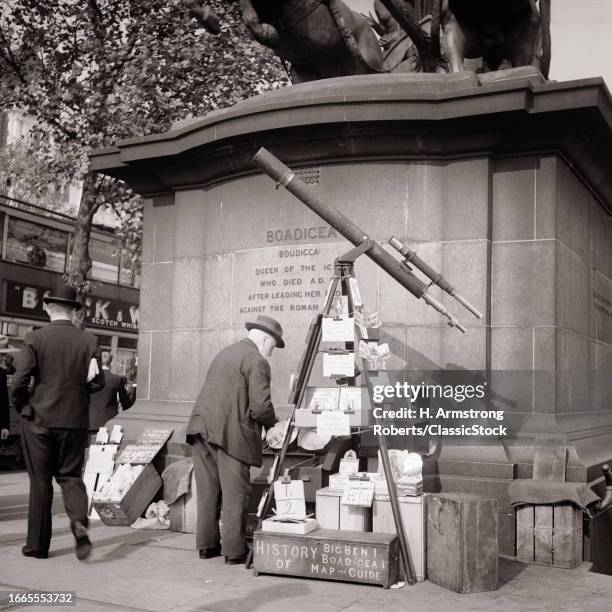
(359, 516)
(100, 463)
(133, 484)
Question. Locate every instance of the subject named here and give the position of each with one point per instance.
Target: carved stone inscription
(285, 281)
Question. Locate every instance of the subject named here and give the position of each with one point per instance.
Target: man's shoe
(26, 552)
(83, 543)
(236, 560)
(209, 553)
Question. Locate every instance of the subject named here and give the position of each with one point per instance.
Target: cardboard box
(184, 511)
(134, 502)
(339, 482)
(412, 510)
(331, 514)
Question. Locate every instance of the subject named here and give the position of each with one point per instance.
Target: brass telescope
(283, 175)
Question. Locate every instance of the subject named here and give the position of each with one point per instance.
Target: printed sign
(358, 496)
(333, 423)
(319, 399)
(26, 300)
(338, 364)
(338, 330)
(147, 446)
(289, 498)
(100, 458)
(324, 554)
(350, 399)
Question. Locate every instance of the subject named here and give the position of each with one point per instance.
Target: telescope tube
(437, 278)
(282, 174)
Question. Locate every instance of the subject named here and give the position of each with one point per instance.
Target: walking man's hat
(270, 326)
(64, 294)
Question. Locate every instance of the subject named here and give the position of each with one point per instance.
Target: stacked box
(339, 482)
(331, 514)
(412, 509)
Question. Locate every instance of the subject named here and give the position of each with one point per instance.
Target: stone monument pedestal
(499, 181)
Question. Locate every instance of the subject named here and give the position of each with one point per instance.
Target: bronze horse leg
(518, 27)
(263, 33)
(525, 38)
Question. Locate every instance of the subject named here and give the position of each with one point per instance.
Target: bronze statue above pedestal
(512, 30)
(319, 39)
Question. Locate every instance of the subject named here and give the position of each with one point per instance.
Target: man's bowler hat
(270, 326)
(64, 294)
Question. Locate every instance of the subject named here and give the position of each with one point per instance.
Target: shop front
(113, 321)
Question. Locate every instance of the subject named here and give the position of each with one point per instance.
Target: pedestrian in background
(55, 419)
(225, 430)
(104, 405)
(6, 369)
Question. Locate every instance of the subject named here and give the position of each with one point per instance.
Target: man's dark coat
(5, 409)
(235, 402)
(103, 405)
(58, 356)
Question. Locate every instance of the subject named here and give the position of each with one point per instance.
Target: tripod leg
(397, 517)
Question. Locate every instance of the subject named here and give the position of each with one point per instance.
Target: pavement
(148, 570)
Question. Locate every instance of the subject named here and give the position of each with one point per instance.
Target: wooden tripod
(344, 271)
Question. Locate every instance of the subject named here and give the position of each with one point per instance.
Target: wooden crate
(462, 542)
(134, 502)
(331, 514)
(412, 510)
(549, 534)
(184, 511)
(370, 558)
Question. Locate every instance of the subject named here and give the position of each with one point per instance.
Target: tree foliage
(96, 71)
(25, 176)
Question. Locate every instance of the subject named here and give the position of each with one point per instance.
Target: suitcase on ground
(462, 542)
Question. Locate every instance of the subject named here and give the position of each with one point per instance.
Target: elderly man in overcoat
(63, 361)
(225, 430)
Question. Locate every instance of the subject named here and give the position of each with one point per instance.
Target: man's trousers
(49, 453)
(221, 478)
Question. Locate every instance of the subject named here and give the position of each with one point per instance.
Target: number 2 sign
(289, 497)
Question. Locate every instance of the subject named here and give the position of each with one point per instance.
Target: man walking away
(225, 430)
(54, 419)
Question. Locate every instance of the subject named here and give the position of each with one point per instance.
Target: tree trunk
(80, 262)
